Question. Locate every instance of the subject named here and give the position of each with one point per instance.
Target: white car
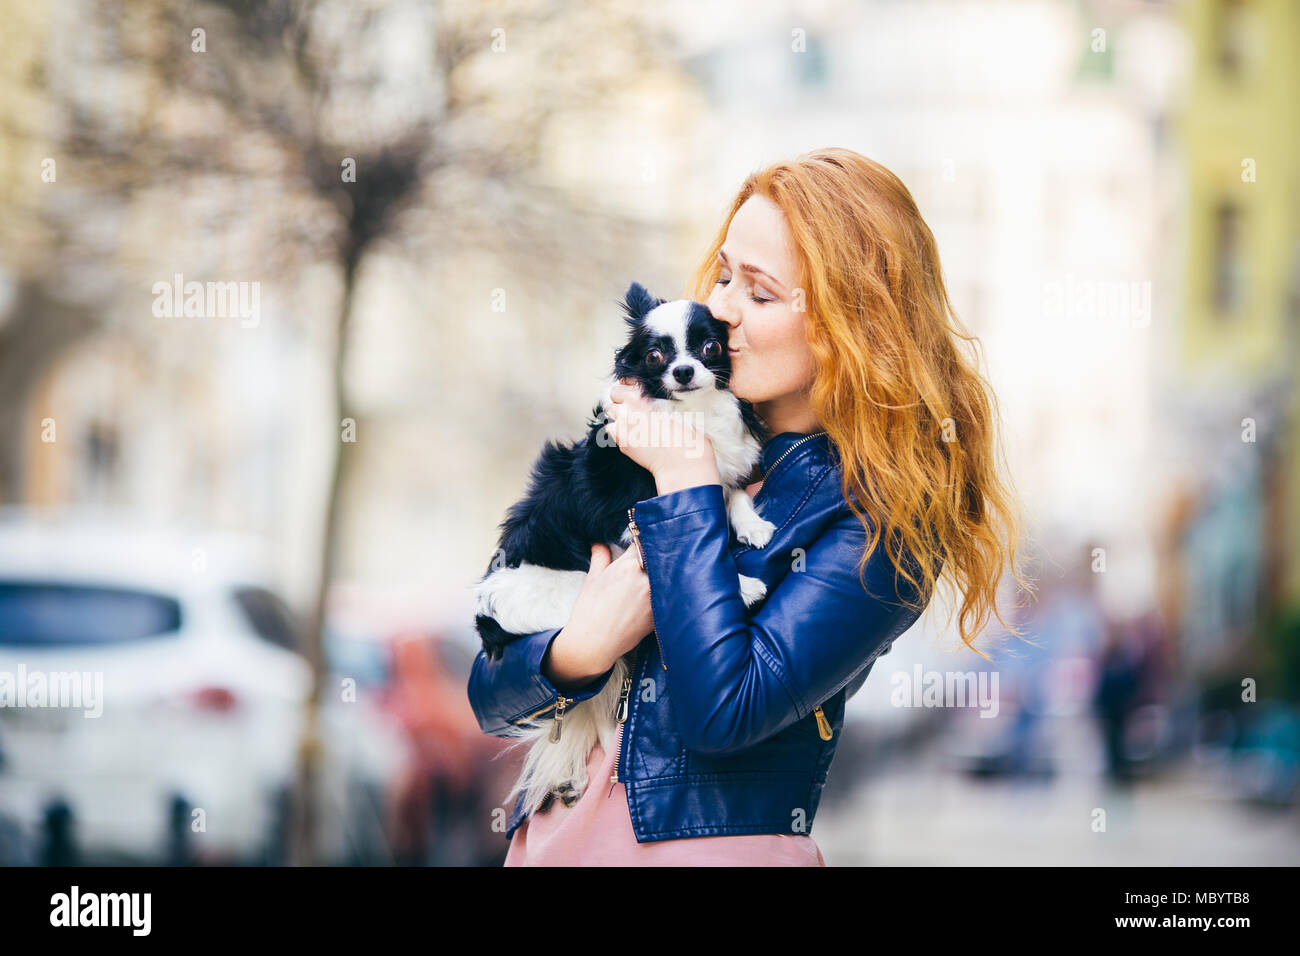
(151, 700)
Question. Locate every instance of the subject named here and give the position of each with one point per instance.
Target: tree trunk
(306, 844)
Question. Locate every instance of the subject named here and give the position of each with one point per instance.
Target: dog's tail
(561, 766)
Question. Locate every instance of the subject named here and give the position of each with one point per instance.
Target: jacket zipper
(805, 438)
(762, 489)
(636, 535)
(621, 717)
(559, 717)
(823, 725)
(640, 555)
(558, 706)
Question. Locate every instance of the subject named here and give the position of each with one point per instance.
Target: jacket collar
(782, 442)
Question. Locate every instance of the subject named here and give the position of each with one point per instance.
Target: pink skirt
(597, 831)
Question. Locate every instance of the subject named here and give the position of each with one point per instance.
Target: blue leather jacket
(732, 716)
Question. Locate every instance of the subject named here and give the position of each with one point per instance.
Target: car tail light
(219, 699)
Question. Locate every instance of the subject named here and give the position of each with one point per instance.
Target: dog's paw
(483, 598)
(568, 793)
(755, 532)
(752, 590)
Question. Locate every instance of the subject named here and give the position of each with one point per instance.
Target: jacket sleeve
(735, 682)
(505, 690)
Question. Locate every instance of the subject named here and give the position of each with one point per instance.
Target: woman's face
(772, 365)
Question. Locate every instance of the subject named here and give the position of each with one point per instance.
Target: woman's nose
(721, 307)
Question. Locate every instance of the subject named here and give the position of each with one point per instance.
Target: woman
(880, 474)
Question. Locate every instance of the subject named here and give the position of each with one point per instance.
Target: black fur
(579, 494)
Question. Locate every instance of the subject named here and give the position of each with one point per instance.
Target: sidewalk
(925, 814)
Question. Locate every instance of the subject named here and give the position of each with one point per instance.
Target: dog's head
(673, 348)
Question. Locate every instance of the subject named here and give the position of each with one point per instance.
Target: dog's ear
(638, 303)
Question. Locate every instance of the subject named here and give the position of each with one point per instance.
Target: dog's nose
(684, 373)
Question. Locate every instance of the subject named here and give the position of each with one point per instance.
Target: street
(918, 814)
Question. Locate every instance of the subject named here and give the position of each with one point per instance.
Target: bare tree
(401, 123)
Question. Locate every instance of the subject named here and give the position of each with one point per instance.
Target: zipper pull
(636, 536)
(622, 700)
(559, 716)
(640, 557)
(618, 744)
(823, 725)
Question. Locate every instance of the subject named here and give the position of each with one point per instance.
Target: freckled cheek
(770, 339)
(779, 354)
(794, 341)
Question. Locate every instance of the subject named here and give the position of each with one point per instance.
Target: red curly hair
(911, 417)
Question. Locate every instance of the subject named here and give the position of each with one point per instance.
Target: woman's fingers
(624, 401)
(599, 558)
(623, 391)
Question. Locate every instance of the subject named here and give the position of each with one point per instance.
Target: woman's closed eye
(754, 298)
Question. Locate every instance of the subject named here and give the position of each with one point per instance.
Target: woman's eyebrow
(756, 269)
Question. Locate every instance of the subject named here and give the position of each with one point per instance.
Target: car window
(54, 613)
(268, 616)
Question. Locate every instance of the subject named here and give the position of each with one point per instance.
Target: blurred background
(291, 293)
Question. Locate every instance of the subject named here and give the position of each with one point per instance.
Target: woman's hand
(611, 616)
(667, 445)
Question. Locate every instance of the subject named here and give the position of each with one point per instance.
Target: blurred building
(1034, 135)
(109, 407)
(465, 352)
(1034, 138)
(1230, 400)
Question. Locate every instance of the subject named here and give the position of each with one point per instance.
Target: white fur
(751, 589)
(670, 319)
(750, 527)
(549, 765)
(528, 599)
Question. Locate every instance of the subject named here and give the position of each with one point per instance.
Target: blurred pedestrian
(1115, 699)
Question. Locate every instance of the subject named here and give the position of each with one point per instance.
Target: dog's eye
(654, 358)
(712, 349)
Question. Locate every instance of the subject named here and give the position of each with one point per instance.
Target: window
(269, 616)
(1234, 30)
(43, 613)
(1229, 264)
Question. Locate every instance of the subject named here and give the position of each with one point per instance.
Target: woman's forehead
(758, 236)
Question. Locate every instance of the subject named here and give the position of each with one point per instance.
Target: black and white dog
(580, 494)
